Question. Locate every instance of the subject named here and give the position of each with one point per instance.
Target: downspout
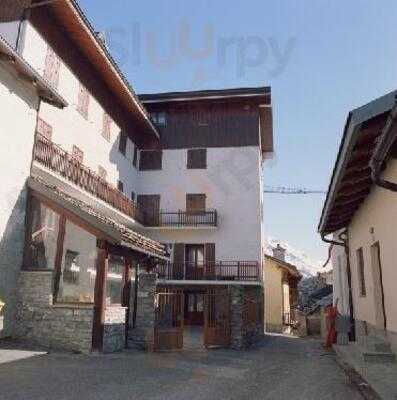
(344, 242)
(385, 143)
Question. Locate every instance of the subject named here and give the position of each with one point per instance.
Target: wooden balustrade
(63, 163)
(219, 271)
(188, 218)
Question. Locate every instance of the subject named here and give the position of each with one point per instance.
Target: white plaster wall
(379, 212)
(18, 105)
(231, 183)
(71, 128)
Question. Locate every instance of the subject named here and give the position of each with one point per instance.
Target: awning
(115, 232)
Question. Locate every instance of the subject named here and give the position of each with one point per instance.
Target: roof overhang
(290, 268)
(70, 18)
(26, 73)
(351, 180)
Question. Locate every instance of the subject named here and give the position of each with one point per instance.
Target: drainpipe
(344, 242)
(383, 147)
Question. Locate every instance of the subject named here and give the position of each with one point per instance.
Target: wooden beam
(356, 174)
(352, 189)
(351, 199)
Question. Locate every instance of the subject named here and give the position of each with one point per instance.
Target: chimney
(279, 253)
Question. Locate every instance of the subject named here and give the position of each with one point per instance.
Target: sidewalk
(381, 377)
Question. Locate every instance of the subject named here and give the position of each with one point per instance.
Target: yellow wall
(273, 294)
(379, 212)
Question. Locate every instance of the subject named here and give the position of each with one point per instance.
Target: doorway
(379, 297)
(194, 261)
(193, 336)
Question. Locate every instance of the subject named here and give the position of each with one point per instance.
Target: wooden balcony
(179, 219)
(216, 271)
(61, 162)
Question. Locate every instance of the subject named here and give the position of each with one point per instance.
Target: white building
(115, 183)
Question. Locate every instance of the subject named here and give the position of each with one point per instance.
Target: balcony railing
(181, 218)
(63, 163)
(216, 271)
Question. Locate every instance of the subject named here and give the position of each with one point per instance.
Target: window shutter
(135, 157)
(179, 253)
(106, 123)
(197, 159)
(120, 186)
(51, 68)
(209, 252)
(150, 160)
(195, 202)
(122, 143)
(83, 101)
(44, 129)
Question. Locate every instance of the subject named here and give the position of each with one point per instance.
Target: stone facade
(244, 334)
(38, 320)
(142, 336)
(114, 329)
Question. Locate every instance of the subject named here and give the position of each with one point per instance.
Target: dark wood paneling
(195, 202)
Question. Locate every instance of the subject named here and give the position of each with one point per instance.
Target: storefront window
(78, 272)
(115, 281)
(43, 241)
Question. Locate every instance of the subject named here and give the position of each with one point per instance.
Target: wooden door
(195, 208)
(168, 330)
(217, 318)
(149, 205)
(194, 268)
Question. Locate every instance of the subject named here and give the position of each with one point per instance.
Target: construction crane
(288, 190)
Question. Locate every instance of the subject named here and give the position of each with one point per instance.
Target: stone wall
(142, 336)
(244, 334)
(114, 329)
(38, 320)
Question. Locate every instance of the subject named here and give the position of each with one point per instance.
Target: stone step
(379, 357)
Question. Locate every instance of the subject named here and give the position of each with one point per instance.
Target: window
(77, 154)
(44, 129)
(195, 202)
(197, 159)
(42, 240)
(102, 172)
(159, 118)
(360, 269)
(120, 186)
(83, 101)
(51, 68)
(135, 157)
(132, 195)
(106, 124)
(78, 269)
(115, 281)
(122, 143)
(150, 160)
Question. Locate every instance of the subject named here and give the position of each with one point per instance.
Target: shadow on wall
(11, 253)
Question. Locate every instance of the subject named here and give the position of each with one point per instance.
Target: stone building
(124, 211)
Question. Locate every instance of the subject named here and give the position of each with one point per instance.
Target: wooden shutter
(135, 157)
(120, 186)
(83, 101)
(197, 158)
(122, 143)
(149, 205)
(106, 123)
(179, 253)
(195, 202)
(44, 129)
(52, 66)
(209, 252)
(150, 160)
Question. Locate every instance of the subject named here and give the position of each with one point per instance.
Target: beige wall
(379, 212)
(273, 295)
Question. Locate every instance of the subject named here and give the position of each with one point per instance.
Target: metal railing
(58, 160)
(218, 271)
(181, 218)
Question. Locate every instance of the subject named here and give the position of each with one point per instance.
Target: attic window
(159, 118)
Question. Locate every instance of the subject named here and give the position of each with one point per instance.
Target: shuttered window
(195, 202)
(150, 160)
(197, 159)
(122, 143)
(52, 67)
(361, 273)
(44, 129)
(120, 186)
(83, 101)
(135, 157)
(77, 154)
(106, 124)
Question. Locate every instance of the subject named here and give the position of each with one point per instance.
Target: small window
(106, 124)
(52, 67)
(135, 157)
(120, 186)
(122, 143)
(195, 202)
(44, 129)
(83, 101)
(159, 118)
(77, 154)
(361, 273)
(197, 159)
(150, 160)
(132, 195)
(102, 172)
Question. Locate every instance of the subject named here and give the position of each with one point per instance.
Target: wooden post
(100, 296)
(59, 255)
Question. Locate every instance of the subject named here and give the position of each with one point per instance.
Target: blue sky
(322, 59)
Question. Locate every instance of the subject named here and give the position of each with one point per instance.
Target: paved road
(279, 368)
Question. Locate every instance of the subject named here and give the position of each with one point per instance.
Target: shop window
(115, 281)
(78, 270)
(42, 243)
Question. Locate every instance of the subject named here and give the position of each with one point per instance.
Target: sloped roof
(118, 232)
(292, 269)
